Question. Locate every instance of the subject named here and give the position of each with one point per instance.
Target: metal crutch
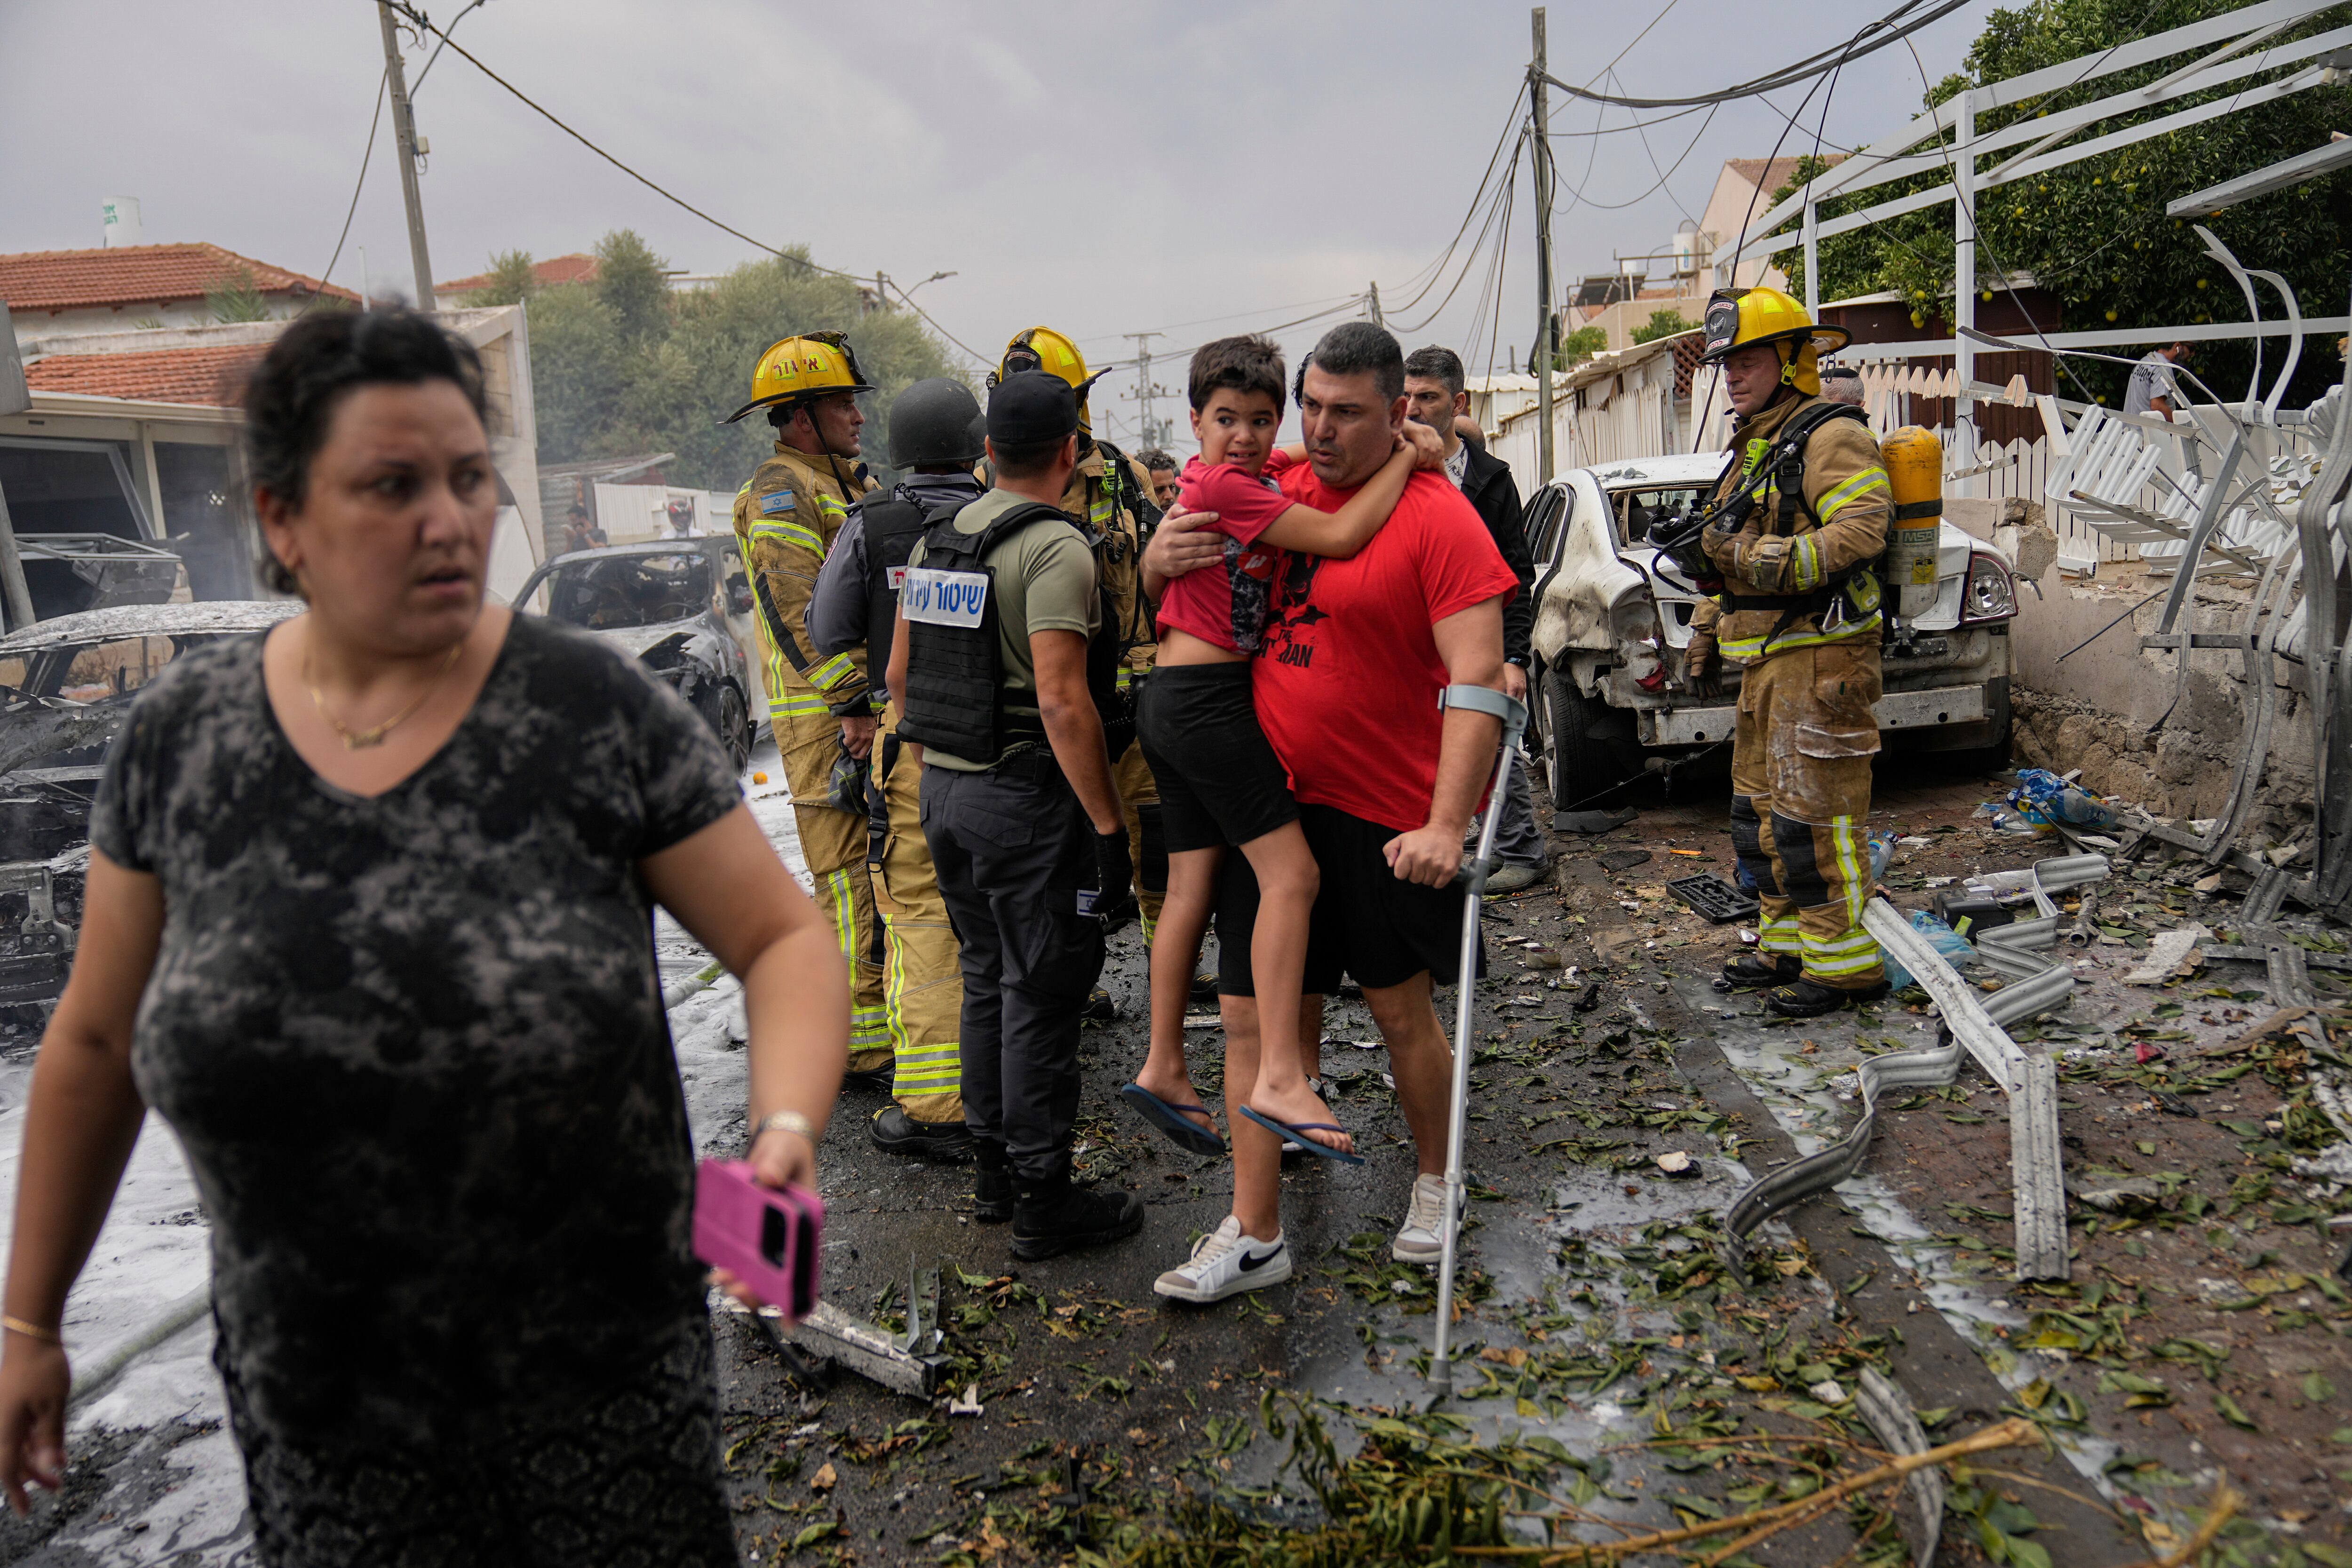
(1472, 880)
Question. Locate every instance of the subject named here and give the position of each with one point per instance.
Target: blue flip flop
(1186, 1134)
(1297, 1132)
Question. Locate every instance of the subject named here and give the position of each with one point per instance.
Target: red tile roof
(139, 275)
(209, 376)
(572, 269)
(1772, 177)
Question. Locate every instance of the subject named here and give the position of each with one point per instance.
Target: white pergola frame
(2235, 53)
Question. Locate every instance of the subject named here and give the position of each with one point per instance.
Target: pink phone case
(770, 1239)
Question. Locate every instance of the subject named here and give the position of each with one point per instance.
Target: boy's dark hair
(1439, 363)
(1351, 348)
(292, 397)
(1153, 459)
(1025, 459)
(1251, 362)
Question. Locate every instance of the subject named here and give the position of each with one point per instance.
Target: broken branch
(2225, 1507)
(2010, 1433)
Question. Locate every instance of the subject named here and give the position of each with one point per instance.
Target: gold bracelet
(783, 1121)
(32, 1330)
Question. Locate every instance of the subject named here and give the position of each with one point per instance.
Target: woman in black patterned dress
(369, 923)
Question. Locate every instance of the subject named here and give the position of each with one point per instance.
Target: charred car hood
(636, 641)
(32, 733)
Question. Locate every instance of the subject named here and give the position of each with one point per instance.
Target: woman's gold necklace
(360, 740)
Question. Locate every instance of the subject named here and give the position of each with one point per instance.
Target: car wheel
(735, 726)
(1579, 762)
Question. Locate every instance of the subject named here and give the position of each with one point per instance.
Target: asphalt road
(1599, 1312)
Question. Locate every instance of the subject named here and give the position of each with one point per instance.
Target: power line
(445, 44)
(358, 186)
(1663, 175)
(1436, 269)
(1650, 153)
(1621, 130)
(1790, 75)
(1628, 49)
(1228, 316)
(413, 15)
(1498, 206)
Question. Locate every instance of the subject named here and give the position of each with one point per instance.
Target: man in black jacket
(1436, 396)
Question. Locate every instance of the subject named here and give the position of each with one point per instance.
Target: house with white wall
(124, 287)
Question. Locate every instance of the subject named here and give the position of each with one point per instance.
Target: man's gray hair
(1354, 348)
(1842, 383)
(1439, 363)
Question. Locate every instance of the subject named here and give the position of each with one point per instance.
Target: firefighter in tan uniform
(1109, 498)
(935, 437)
(785, 520)
(1798, 517)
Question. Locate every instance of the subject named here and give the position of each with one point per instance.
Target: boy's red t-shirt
(1347, 683)
(1226, 604)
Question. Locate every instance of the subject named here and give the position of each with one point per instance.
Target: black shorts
(1220, 782)
(1368, 922)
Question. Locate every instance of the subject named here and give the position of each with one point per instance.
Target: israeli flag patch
(775, 502)
(943, 599)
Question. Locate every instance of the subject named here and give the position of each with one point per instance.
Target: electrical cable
(413, 15)
(1436, 269)
(444, 43)
(1976, 237)
(1620, 130)
(1228, 316)
(375, 119)
(1681, 762)
(1491, 287)
(1899, 24)
(1650, 152)
(1494, 210)
(1663, 177)
(1353, 302)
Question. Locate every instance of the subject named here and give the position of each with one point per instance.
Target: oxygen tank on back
(1913, 459)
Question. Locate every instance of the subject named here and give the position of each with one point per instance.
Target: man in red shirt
(1347, 685)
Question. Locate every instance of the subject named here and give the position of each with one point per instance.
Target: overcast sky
(1195, 168)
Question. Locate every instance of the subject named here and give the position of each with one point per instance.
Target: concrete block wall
(2086, 697)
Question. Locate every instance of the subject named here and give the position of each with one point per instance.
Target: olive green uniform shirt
(1044, 581)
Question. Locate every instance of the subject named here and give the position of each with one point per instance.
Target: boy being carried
(1220, 782)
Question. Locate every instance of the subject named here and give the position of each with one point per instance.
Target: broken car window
(616, 592)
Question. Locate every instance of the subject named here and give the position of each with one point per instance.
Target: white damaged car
(1612, 620)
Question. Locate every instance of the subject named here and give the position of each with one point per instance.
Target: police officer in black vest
(1002, 664)
(937, 434)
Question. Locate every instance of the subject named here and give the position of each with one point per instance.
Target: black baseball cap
(1834, 371)
(1029, 407)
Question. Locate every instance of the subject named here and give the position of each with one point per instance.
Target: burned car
(1612, 620)
(683, 606)
(66, 686)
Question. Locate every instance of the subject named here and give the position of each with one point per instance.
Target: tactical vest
(892, 527)
(1782, 464)
(955, 661)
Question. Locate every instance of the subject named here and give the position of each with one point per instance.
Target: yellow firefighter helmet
(1043, 348)
(1739, 316)
(814, 364)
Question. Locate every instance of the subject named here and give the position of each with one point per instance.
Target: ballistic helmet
(934, 423)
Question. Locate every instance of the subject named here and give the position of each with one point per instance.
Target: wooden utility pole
(404, 127)
(1378, 320)
(1546, 336)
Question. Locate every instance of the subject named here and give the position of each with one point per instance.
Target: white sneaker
(1225, 1263)
(1419, 1239)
